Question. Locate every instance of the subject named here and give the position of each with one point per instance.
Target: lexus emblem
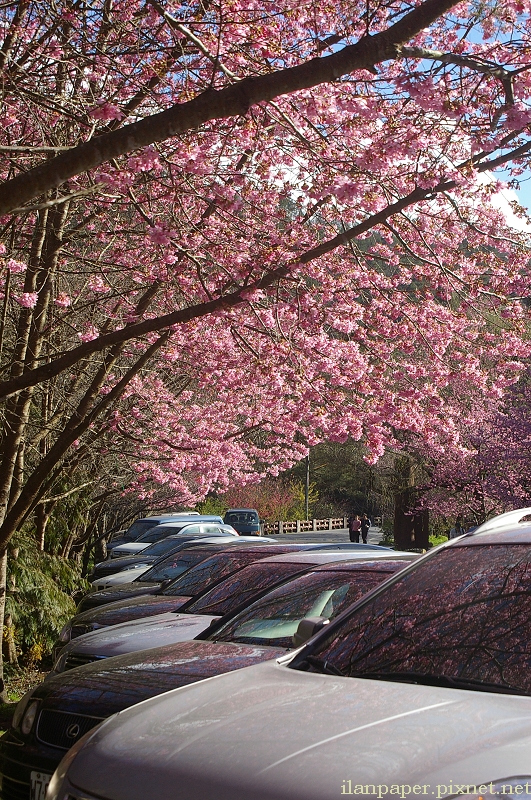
(73, 730)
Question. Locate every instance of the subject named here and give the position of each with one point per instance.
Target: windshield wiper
(450, 681)
(322, 666)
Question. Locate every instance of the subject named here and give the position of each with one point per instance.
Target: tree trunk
(411, 530)
(9, 647)
(3, 587)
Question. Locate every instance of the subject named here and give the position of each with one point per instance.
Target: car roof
(176, 517)
(519, 516)
(237, 510)
(319, 557)
(221, 540)
(183, 521)
(509, 535)
(357, 564)
(512, 527)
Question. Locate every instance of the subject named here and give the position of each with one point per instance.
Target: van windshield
(243, 518)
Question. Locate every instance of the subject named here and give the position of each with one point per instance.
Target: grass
(18, 682)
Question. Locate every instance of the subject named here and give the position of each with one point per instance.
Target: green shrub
(40, 596)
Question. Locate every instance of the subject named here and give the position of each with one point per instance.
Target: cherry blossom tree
(230, 233)
(490, 471)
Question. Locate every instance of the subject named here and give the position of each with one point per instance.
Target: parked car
(193, 571)
(245, 520)
(156, 551)
(198, 614)
(85, 695)
(422, 687)
(143, 524)
(207, 526)
(163, 571)
(135, 571)
(149, 582)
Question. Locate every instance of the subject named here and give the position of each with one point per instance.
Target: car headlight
(511, 788)
(59, 665)
(20, 709)
(25, 713)
(64, 636)
(79, 630)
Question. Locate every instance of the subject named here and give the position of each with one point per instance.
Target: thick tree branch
(230, 101)
(182, 316)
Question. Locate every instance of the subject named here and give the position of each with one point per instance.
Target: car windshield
(174, 565)
(236, 589)
(210, 572)
(461, 618)
(161, 547)
(243, 518)
(138, 528)
(159, 532)
(273, 619)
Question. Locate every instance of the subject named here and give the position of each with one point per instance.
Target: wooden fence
(304, 526)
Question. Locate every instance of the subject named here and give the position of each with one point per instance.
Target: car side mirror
(307, 627)
(166, 583)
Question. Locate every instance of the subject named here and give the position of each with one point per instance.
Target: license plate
(39, 784)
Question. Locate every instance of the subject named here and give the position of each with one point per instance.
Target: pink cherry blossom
(323, 264)
(63, 300)
(106, 111)
(15, 267)
(27, 299)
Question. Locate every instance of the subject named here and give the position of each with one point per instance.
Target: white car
(421, 689)
(129, 574)
(210, 527)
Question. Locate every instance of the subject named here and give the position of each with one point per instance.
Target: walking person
(354, 528)
(365, 525)
(458, 528)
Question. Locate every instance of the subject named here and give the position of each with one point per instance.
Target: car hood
(101, 688)
(122, 592)
(140, 634)
(271, 732)
(126, 576)
(112, 566)
(131, 608)
(127, 549)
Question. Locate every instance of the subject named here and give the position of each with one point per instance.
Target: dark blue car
(245, 520)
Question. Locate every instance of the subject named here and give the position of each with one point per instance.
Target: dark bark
(411, 531)
(87, 412)
(3, 589)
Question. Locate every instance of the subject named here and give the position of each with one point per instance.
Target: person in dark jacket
(365, 525)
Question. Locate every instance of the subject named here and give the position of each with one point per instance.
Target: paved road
(374, 537)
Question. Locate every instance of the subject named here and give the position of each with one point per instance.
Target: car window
(174, 565)
(243, 518)
(159, 532)
(138, 528)
(161, 547)
(210, 572)
(464, 613)
(273, 619)
(235, 590)
(215, 529)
